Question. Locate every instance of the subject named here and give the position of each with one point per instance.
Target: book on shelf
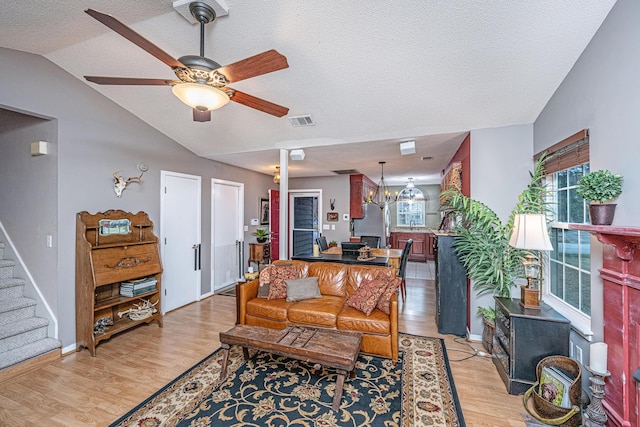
(554, 386)
(137, 292)
(139, 283)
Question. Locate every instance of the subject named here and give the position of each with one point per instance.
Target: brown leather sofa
(337, 282)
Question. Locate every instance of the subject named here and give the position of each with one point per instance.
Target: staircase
(23, 336)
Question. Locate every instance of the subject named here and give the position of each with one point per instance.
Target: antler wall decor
(120, 183)
(332, 203)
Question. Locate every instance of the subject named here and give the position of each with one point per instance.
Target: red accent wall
(463, 155)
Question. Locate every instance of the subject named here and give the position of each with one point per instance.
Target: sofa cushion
(304, 288)
(302, 265)
(321, 312)
(367, 295)
(332, 277)
(278, 275)
(392, 287)
(269, 309)
(354, 320)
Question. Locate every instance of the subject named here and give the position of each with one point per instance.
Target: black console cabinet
(522, 338)
(451, 288)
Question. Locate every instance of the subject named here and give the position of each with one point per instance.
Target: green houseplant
(261, 235)
(600, 187)
(333, 243)
(482, 241)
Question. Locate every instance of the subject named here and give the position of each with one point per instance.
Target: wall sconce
(39, 148)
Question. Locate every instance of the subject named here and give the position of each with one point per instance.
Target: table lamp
(530, 232)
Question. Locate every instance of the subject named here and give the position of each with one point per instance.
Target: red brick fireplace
(621, 303)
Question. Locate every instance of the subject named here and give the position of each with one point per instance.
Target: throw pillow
(305, 288)
(393, 283)
(367, 295)
(265, 279)
(278, 275)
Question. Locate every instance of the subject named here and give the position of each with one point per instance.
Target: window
(411, 214)
(569, 272)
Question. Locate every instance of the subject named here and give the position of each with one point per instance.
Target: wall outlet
(579, 355)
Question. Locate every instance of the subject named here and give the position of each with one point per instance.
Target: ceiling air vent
(346, 172)
(301, 121)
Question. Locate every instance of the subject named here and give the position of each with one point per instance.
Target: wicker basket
(487, 335)
(547, 412)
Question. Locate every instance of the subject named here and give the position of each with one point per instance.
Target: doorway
(180, 208)
(227, 218)
(304, 208)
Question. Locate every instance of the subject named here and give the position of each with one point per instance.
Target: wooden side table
(260, 253)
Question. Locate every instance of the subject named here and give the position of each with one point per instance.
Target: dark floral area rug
(270, 390)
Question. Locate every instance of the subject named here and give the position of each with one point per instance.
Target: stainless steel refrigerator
(374, 223)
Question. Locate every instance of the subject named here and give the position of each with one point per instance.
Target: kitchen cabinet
(361, 187)
(522, 338)
(422, 248)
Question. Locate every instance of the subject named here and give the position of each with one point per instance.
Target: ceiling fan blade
(134, 37)
(130, 81)
(259, 104)
(201, 116)
(256, 65)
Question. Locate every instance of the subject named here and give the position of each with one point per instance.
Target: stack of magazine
(133, 288)
(554, 386)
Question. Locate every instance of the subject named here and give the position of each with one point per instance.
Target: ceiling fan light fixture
(200, 97)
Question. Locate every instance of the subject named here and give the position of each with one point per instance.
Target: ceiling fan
(202, 83)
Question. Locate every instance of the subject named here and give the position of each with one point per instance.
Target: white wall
(501, 159)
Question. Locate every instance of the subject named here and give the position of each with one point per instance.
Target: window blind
(569, 152)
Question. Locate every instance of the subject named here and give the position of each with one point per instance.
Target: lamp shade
(200, 96)
(530, 232)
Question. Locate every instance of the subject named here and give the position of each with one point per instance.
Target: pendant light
(410, 193)
(382, 197)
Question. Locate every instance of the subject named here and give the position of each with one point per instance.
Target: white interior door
(180, 239)
(227, 221)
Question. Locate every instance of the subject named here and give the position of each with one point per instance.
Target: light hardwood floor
(80, 390)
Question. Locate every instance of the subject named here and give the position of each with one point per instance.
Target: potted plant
(482, 240)
(333, 244)
(261, 235)
(600, 187)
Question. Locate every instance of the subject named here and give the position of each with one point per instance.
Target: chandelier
(276, 175)
(410, 193)
(382, 197)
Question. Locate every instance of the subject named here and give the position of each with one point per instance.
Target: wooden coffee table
(329, 347)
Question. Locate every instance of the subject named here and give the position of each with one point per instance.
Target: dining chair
(402, 271)
(322, 243)
(371, 241)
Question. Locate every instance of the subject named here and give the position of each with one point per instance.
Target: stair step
(23, 332)
(6, 268)
(16, 309)
(28, 351)
(11, 288)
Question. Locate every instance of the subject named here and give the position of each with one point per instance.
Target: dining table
(342, 259)
(393, 255)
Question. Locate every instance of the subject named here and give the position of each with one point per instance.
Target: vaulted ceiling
(372, 74)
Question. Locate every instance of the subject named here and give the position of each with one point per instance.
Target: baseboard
(474, 337)
(18, 369)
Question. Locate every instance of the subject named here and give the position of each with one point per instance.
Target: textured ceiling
(371, 73)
